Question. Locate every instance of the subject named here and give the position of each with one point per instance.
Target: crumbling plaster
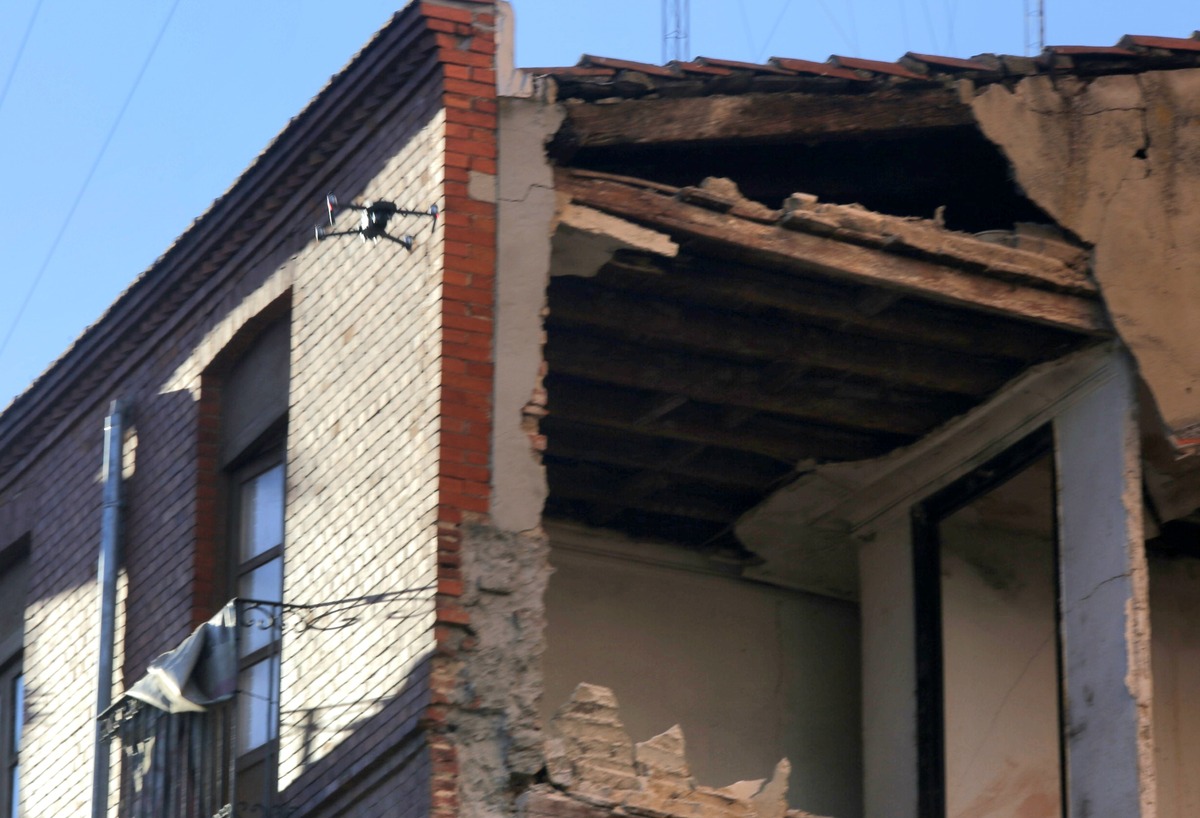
(1116, 160)
(525, 220)
(591, 757)
(497, 668)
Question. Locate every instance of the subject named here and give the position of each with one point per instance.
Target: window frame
(926, 517)
(258, 764)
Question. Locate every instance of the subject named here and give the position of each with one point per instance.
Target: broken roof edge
(1132, 53)
(343, 89)
(1017, 283)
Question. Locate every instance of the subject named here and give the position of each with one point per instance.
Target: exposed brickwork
(466, 50)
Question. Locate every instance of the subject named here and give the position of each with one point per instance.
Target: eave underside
(686, 385)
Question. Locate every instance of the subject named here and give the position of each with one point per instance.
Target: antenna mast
(676, 30)
(1035, 26)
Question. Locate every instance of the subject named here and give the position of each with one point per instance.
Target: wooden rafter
(760, 118)
(585, 303)
(799, 394)
(742, 240)
(782, 440)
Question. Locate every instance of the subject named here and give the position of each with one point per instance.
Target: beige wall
(751, 672)
(1175, 629)
(1000, 673)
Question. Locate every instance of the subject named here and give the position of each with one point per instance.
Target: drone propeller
(331, 203)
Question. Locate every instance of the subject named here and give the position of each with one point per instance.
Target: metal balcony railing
(218, 763)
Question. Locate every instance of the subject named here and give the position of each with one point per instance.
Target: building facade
(712, 439)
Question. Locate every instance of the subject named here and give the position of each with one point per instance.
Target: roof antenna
(676, 30)
(1035, 24)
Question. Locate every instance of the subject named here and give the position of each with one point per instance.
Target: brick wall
(467, 49)
(362, 476)
(389, 428)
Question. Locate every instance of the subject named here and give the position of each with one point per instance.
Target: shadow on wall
(380, 768)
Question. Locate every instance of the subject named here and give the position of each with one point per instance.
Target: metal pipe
(106, 574)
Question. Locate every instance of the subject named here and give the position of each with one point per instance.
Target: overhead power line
(12, 71)
(87, 180)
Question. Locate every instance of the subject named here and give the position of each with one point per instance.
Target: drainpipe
(106, 572)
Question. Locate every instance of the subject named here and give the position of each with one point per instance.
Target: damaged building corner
(840, 420)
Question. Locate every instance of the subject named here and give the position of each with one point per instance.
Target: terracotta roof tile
(1169, 43)
(875, 66)
(572, 71)
(1090, 51)
(819, 69)
(697, 68)
(744, 66)
(705, 75)
(948, 63)
(627, 65)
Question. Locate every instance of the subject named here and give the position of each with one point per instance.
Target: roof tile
(697, 68)
(744, 66)
(1169, 43)
(1090, 51)
(875, 66)
(591, 61)
(818, 69)
(948, 63)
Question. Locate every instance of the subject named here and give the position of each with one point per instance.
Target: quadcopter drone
(373, 222)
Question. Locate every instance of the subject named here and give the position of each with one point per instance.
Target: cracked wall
(1116, 160)
(526, 216)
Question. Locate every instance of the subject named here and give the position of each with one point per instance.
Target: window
(246, 392)
(257, 579)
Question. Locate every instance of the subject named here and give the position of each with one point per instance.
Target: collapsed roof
(797, 263)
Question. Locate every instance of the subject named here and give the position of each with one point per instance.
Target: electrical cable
(12, 72)
(86, 181)
(746, 27)
(838, 26)
(762, 52)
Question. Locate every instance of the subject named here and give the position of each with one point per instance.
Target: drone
(373, 222)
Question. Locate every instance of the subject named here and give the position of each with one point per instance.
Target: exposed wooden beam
(586, 303)
(785, 441)
(758, 119)
(693, 462)
(746, 241)
(832, 401)
(837, 305)
(596, 485)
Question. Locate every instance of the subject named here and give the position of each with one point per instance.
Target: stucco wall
(751, 672)
(1116, 160)
(1000, 673)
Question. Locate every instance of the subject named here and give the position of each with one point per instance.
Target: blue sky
(102, 171)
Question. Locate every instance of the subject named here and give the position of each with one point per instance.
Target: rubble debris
(600, 771)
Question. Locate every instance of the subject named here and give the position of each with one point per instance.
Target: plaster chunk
(588, 747)
(585, 239)
(663, 756)
(771, 800)
(589, 754)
